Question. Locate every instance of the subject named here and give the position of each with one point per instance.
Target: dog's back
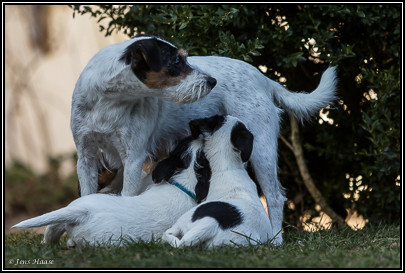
(239, 78)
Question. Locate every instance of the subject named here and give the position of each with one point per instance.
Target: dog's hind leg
(53, 233)
(264, 161)
(173, 236)
(264, 157)
(274, 194)
(202, 231)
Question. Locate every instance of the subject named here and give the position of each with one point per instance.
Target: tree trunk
(306, 176)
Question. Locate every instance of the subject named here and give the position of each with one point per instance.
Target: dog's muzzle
(196, 86)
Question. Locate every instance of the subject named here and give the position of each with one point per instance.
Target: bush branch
(306, 176)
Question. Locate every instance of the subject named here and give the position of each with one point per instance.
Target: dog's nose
(211, 82)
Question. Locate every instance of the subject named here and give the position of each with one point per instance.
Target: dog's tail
(301, 104)
(63, 215)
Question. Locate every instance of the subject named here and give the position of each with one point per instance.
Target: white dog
(119, 109)
(232, 213)
(126, 109)
(104, 219)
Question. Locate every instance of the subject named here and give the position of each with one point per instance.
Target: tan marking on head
(182, 52)
(161, 79)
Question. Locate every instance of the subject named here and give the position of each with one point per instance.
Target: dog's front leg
(87, 172)
(132, 175)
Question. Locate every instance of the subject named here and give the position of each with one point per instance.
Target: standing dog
(121, 108)
(105, 219)
(232, 212)
(124, 110)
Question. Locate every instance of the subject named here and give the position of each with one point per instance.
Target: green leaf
(247, 58)
(183, 25)
(361, 14)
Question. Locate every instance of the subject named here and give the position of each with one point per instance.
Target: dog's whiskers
(192, 89)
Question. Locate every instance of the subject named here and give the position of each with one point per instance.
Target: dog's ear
(242, 139)
(203, 173)
(205, 125)
(195, 128)
(163, 170)
(147, 50)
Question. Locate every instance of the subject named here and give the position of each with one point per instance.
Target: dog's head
(226, 138)
(186, 165)
(164, 70)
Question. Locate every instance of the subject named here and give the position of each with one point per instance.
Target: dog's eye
(177, 66)
(178, 60)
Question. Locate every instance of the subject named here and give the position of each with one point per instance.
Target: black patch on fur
(227, 215)
(177, 161)
(252, 175)
(209, 125)
(143, 55)
(242, 139)
(153, 54)
(202, 171)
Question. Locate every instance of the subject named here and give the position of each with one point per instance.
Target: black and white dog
(134, 100)
(232, 213)
(106, 219)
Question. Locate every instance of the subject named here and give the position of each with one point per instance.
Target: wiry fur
(303, 105)
(232, 213)
(113, 110)
(104, 219)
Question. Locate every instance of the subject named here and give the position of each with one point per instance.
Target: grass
(371, 247)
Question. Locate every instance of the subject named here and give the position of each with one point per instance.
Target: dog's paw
(277, 240)
(171, 239)
(71, 244)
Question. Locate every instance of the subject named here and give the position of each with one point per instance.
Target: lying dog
(125, 109)
(232, 213)
(104, 219)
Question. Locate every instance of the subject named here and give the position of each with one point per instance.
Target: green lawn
(371, 247)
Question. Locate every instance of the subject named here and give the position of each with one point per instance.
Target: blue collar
(182, 188)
